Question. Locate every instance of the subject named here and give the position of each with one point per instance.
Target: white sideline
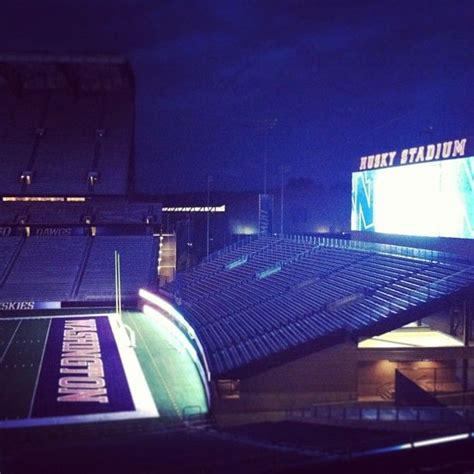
(32, 401)
(142, 398)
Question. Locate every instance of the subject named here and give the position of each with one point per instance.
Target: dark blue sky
(343, 78)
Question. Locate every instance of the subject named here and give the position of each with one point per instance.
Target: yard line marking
(10, 342)
(39, 370)
(173, 401)
(16, 318)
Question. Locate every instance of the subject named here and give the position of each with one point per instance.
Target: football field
(80, 368)
(171, 373)
(21, 347)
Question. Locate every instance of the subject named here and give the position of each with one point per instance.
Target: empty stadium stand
(43, 269)
(66, 194)
(62, 119)
(273, 295)
(96, 212)
(53, 213)
(74, 268)
(10, 212)
(138, 256)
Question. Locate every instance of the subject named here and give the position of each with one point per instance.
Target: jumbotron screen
(433, 199)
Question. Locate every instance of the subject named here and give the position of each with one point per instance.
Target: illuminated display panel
(433, 199)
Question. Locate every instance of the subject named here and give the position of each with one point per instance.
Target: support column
(466, 333)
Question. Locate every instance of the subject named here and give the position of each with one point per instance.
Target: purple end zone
(74, 381)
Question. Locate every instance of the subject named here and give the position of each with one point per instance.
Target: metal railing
(397, 250)
(441, 380)
(229, 248)
(423, 294)
(377, 413)
(193, 412)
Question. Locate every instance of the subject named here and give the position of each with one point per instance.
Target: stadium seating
(53, 213)
(138, 259)
(66, 136)
(116, 144)
(74, 213)
(273, 294)
(65, 152)
(72, 268)
(19, 119)
(10, 211)
(51, 130)
(122, 213)
(9, 247)
(41, 273)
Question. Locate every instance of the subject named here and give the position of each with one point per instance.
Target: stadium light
(75, 199)
(32, 199)
(421, 443)
(174, 313)
(195, 209)
(180, 338)
(170, 309)
(443, 439)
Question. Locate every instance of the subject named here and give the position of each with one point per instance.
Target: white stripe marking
(39, 371)
(9, 343)
(136, 380)
(144, 403)
(23, 318)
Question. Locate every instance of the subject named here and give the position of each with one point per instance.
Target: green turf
(169, 369)
(21, 349)
(171, 373)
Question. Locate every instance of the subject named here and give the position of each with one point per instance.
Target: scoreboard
(421, 191)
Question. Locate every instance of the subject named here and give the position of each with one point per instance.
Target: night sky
(342, 78)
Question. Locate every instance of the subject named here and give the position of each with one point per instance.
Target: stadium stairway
(82, 268)
(9, 253)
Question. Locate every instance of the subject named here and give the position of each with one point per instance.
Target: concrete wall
(440, 321)
(326, 376)
(376, 379)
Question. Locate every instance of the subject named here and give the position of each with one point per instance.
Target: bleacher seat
(45, 269)
(322, 287)
(66, 142)
(74, 268)
(138, 262)
(51, 130)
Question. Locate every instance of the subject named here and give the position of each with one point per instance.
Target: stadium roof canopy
(79, 72)
(272, 300)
